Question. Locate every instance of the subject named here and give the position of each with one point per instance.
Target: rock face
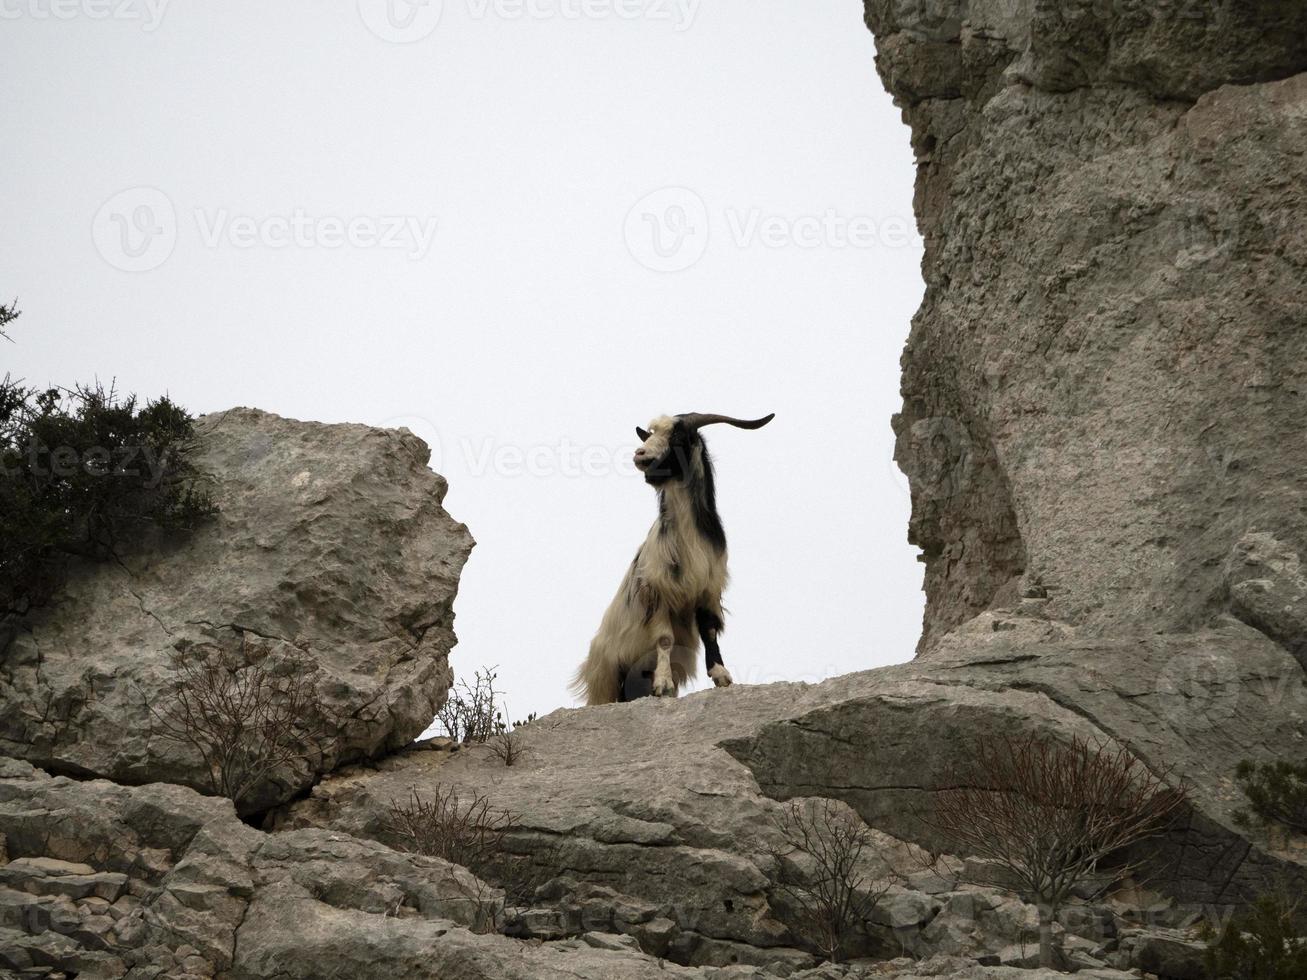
(664, 812)
(1105, 388)
(108, 881)
(330, 547)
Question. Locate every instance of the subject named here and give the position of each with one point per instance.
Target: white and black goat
(672, 593)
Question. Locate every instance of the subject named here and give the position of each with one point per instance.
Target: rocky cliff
(1103, 427)
(1105, 388)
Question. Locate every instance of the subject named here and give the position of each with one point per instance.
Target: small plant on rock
(822, 867)
(1045, 817)
(461, 830)
(507, 743)
(1277, 794)
(247, 714)
(465, 831)
(1269, 942)
(472, 713)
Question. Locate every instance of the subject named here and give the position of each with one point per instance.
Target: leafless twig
(507, 742)
(830, 884)
(471, 712)
(467, 833)
(247, 714)
(1044, 816)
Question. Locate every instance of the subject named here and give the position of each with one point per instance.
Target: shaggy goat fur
(672, 593)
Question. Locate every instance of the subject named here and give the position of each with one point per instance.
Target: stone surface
(331, 539)
(1173, 956)
(1105, 388)
(670, 806)
(1268, 589)
(220, 898)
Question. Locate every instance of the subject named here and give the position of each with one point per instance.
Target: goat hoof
(663, 687)
(720, 676)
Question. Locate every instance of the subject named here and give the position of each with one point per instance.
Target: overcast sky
(521, 228)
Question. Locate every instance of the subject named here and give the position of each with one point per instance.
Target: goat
(672, 593)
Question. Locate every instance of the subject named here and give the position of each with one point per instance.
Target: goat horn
(697, 420)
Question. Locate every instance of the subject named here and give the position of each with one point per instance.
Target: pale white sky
(521, 228)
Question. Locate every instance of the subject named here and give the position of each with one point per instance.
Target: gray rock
(1171, 956)
(694, 841)
(1103, 386)
(231, 901)
(330, 539)
(1268, 589)
(43, 866)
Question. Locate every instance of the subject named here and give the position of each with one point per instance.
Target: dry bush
(248, 714)
(834, 893)
(1045, 816)
(471, 713)
(468, 833)
(506, 743)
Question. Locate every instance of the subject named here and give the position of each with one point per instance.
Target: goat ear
(642, 433)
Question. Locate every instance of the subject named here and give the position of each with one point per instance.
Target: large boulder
(1104, 388)
(330, 553)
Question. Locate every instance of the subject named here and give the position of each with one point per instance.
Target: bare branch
(249, 715)
(829, 884)
(1044, 817)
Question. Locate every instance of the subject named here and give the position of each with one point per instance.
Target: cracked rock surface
(107, 881)
(330, 539)
(663, 811)
(1105, 388)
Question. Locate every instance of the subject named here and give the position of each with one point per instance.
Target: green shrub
(1264, 944)
(1277, 792)
(82, 473)
(8, 314)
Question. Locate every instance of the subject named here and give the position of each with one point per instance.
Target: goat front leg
(710, 623)
(664, 685)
